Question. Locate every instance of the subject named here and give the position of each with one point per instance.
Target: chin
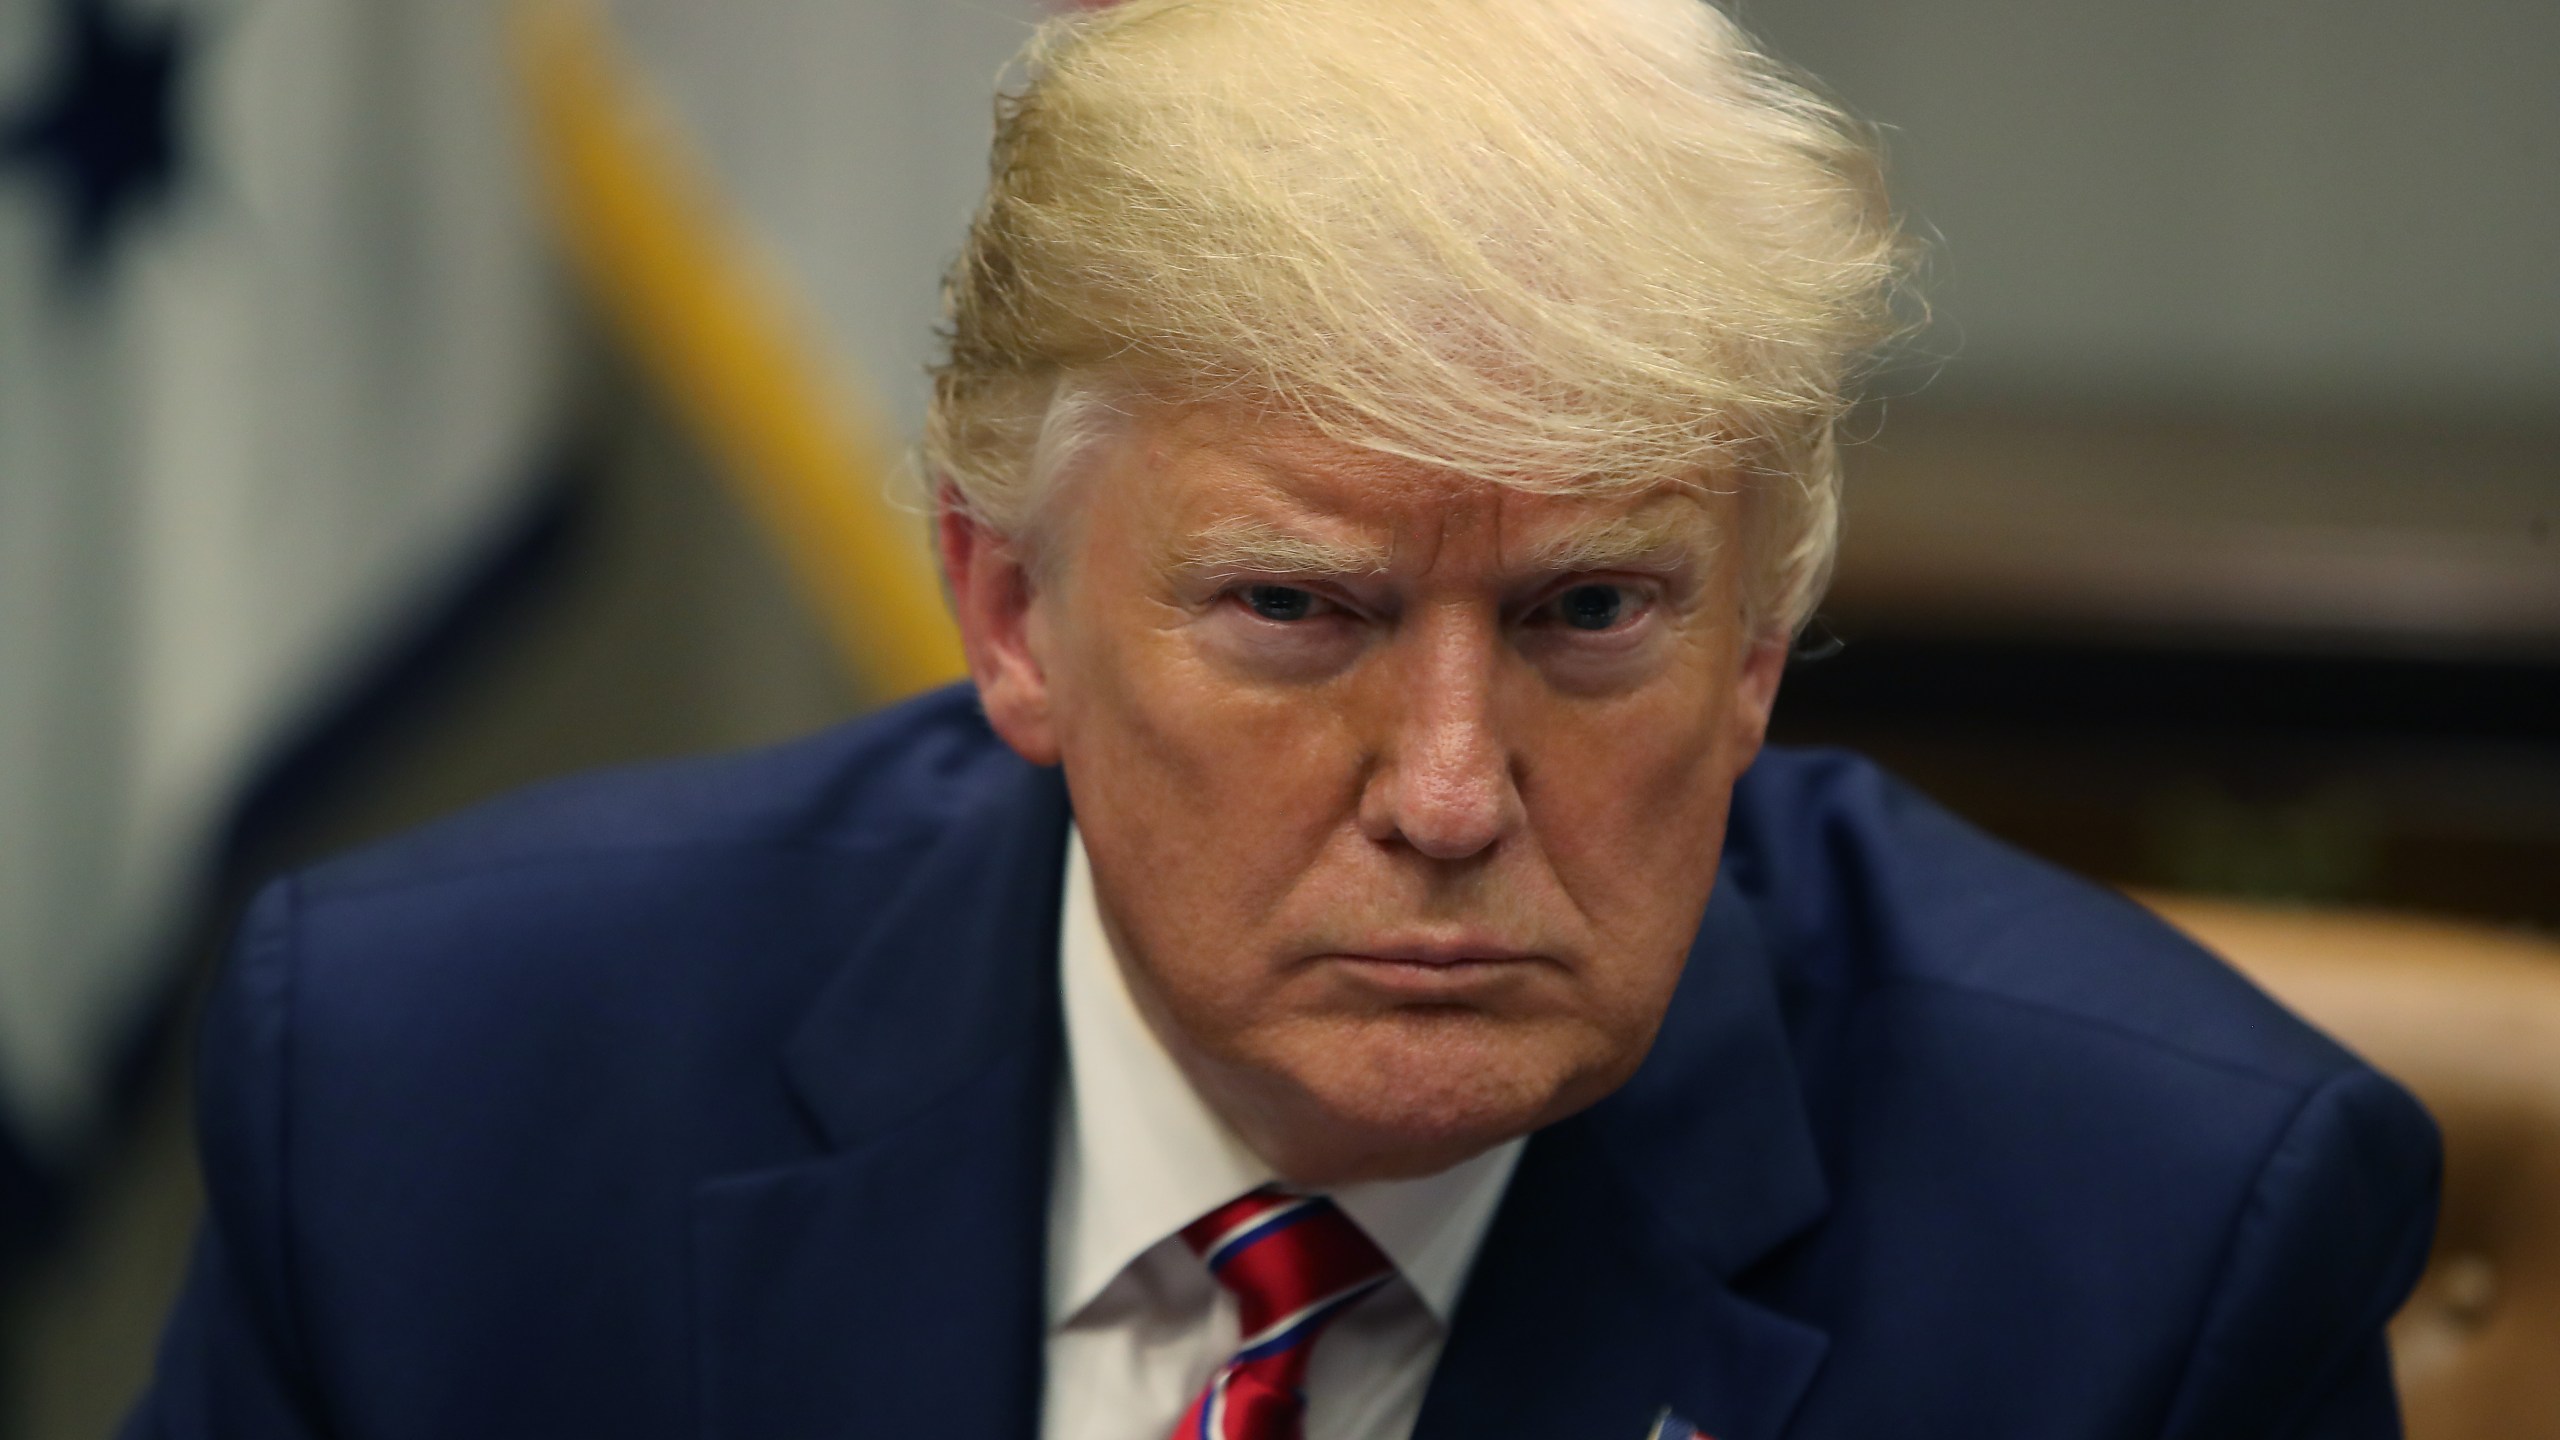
(1414, 1093)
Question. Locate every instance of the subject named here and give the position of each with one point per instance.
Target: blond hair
(1564, 245)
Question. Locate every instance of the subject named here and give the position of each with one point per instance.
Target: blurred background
(403, 400)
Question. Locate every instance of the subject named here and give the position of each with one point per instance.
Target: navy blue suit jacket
(715, 1100)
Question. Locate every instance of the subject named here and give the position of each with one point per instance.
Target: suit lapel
(1603, 1292)
(895, 1285)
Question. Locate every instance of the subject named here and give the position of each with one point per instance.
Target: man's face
(1403, 792)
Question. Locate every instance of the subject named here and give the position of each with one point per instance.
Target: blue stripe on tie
(1263, 1229)
(1216, 1401)
(1307, 1321)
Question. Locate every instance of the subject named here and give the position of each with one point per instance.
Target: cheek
(1627, 801)
(1216, 750)
(1221, 796)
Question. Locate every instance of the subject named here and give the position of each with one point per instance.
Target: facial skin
(1403, 791)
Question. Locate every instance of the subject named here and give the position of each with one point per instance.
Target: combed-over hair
(1565, 245)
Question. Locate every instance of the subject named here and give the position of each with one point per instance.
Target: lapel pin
(1667, 1426)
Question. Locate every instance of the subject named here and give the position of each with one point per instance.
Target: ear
(1000, 630)
(1755, 694)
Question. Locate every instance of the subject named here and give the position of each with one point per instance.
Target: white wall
(2350, 203)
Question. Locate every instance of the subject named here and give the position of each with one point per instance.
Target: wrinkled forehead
(1256, 493)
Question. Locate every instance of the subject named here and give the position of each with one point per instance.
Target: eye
(1592, 607)
(1279, 602)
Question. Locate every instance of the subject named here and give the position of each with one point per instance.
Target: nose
(1445, 783)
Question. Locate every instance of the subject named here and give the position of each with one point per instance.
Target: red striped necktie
(1294, 1262)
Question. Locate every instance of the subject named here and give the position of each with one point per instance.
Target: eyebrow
(1244, 547)
(1241, 546)
(1629, 541)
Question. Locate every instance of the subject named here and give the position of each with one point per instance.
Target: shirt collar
(1140, 1154)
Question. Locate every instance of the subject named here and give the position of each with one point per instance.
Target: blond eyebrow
(1240, 546)
(1627, 541)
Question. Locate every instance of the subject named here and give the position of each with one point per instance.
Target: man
(1346, 968)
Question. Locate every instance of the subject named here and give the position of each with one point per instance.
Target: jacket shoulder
(641, 941)
(1866, 886)
(2049, 1121)
(490, 1061)
(875, 780)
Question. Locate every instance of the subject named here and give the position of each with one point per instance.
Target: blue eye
(1279, 602)
(1592, 607)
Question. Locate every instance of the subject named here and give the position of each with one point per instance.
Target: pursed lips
(1436, 968)
(1439, 953)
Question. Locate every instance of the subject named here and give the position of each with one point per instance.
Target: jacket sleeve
(233, 1363)
(2327, 1245)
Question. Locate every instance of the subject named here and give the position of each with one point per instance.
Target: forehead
(1203, 472)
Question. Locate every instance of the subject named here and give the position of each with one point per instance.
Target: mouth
(1439, 951)
(1434, 969)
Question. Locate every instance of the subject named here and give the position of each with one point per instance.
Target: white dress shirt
(1136, 1324)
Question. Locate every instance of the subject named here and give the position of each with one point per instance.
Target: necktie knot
(1294, 1263)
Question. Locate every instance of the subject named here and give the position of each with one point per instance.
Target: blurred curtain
(277, 356)
(280, 356)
